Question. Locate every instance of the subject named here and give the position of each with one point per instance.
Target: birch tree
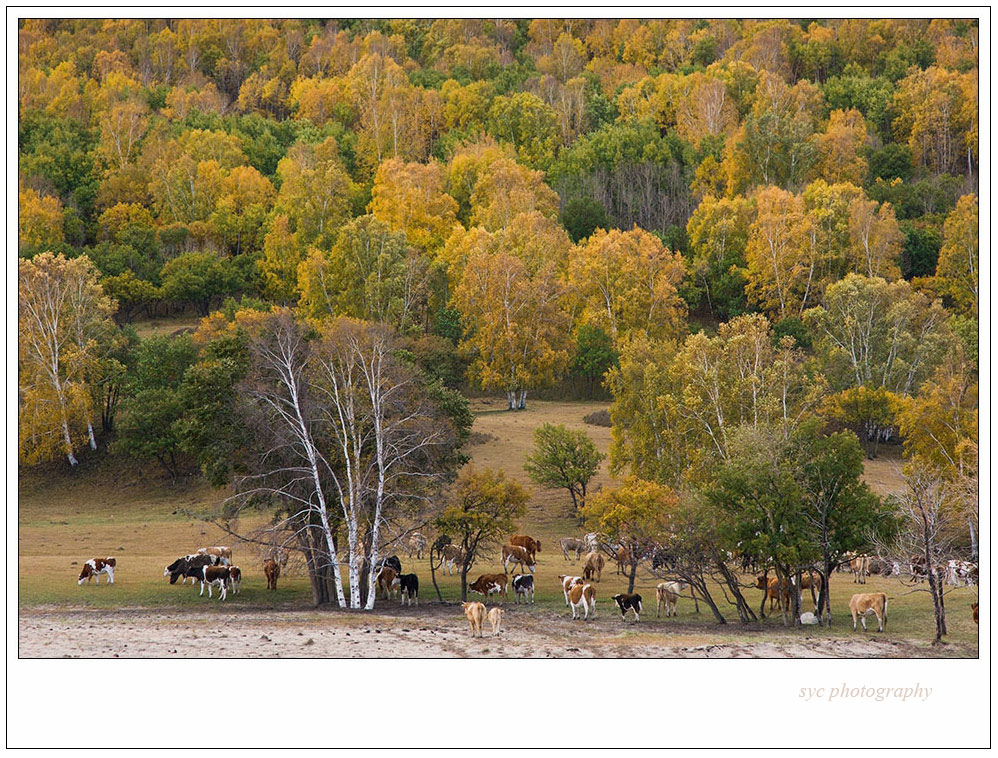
(62, 313)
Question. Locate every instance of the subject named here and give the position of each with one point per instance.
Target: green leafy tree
(563, 458)
(594, 356)
(200, 279)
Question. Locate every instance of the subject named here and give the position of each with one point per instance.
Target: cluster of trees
(743, 225)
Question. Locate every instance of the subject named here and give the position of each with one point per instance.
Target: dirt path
(425, 632)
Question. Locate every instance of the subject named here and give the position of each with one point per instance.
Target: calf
(974, 607)
(93, 568)
(523, 585)
(623, 559)
(572, 545)
(567, 582)
(582, 596)
(271, 570)
(409, 589)
(628, 602)
(490, 584)
(667, 594)
(593, 566)
(475, 613)
(866, 603)
(528, 543)
(518, 556)
(451, 557)
(495, 618)
(235, 579)
(223, 552)
(215, 575)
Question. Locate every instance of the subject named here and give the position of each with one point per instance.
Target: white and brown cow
(628, 601)
(668, 594)
(235, 579)
(869, 602)
(93, 568)
(490, 584)
(518, 556)
(215, 576)
(582, 596)
(567, 582)
(387, 581)
(223, 552)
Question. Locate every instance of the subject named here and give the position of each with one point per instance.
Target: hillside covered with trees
(740, 229)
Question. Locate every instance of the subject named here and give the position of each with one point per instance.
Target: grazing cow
(531, 545)
(495, 618)
(860, 567)
(409, 589)
(189, 567)
(974, 607)
(582, 596)
(490, 584)
(667, 594)
(776, 591)
(215, 575)
(518, 556)
(235, 579)
(271, 570)
(593, 566)
(475, 613)
(572, 545)
(388, 579)
(628, 602)
(567, 582)
(866, 603)
(93, 568)
(416, 544)
(523, 585)
(451, 556)
(224, 553)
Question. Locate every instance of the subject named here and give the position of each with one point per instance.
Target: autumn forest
(756, 239)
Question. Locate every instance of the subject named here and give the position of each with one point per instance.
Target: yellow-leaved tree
(63, 317)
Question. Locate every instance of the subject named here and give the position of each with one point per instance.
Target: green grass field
(140, 518)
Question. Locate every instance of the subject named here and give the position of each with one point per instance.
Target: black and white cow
(628, 602)
(189, 567)
(523, 584)
(394, 562)
(409, 588)
(215, 575)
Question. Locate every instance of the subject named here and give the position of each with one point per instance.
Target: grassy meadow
(143, 520)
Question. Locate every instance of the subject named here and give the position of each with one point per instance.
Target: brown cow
(531, 545)
(973, 607)
(593, 566)
(388, 581)
(272, 570)
(475, 613)
(451, 556)
(623, 559)
(869, 602)
(488, 584)
(860, 567)
(93, 568)
(776, 591)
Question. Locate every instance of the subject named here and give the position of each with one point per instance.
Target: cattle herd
(212, 567)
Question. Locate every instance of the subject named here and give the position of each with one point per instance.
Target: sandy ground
(431, 631)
